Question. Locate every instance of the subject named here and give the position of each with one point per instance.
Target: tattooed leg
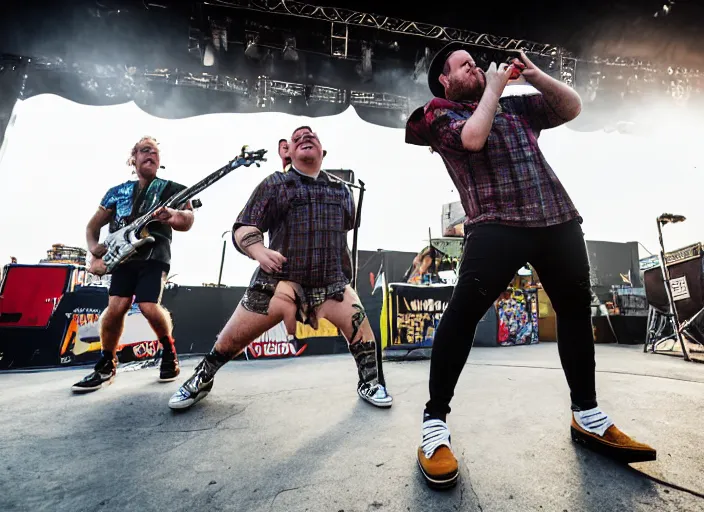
(349, 316)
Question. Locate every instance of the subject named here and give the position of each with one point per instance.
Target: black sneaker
(103, 374)
(169, 369)
(196, 388)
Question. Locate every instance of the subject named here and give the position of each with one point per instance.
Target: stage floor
(291, 435)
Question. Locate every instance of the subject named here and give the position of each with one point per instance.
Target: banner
(81, 341)
(416, 313)
(276, 342)
(517, 311)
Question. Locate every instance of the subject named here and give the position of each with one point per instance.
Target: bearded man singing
(303, 275)
(517, 211)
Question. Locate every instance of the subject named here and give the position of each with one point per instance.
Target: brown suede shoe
(614, 444)
(440, 470)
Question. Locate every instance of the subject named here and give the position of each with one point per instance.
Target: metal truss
(348, 17)
(118, 81)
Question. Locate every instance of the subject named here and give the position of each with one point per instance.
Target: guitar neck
(178, 200)
(181, 198)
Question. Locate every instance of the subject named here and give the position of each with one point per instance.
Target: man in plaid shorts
(304, 274)
(517, 211)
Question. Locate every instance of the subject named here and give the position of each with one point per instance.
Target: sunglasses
(307, 134)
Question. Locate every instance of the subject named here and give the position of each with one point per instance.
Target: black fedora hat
(438, 62)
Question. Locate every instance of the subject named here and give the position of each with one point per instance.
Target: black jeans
(492, 255)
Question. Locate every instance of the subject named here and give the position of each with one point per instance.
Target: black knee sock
(364, 353)
(217, 360)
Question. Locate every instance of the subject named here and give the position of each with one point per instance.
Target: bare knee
(284, 306)
(115, 313)
(150, 309)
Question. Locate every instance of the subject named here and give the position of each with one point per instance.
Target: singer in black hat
(517, 211)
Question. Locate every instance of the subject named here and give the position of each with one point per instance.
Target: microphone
(517, 67)
(670, 217)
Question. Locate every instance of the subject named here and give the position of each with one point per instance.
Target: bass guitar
(124, 243)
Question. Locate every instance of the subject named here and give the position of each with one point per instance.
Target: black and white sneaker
(169, 369)
(375, 394)
(103, 374)
(196, 388)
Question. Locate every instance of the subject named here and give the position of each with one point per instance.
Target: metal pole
(357, 222)
(222, 258)
(675, 319)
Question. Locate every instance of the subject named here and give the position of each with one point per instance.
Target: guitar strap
(147, 197)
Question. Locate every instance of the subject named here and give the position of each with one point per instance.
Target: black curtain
(12, 72)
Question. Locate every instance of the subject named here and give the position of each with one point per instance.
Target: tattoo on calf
(357, 319)
(250, 239)
(364, 352)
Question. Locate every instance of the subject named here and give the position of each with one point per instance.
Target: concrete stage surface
(292, 435)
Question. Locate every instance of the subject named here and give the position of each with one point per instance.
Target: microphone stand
(357, 222)
(674, 316)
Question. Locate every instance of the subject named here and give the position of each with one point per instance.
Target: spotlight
(209, 55)
(364, 68)
(290, 52)
(252, 49)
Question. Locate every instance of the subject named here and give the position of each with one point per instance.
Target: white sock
(594, 420)
(435, 434)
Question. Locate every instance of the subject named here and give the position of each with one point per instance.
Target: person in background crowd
(284, 155)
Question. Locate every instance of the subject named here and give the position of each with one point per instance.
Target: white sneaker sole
(185, 404)
(381, 405)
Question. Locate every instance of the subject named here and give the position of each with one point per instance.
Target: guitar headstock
(248, 157)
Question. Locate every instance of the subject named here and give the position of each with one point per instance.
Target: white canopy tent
(60, 157)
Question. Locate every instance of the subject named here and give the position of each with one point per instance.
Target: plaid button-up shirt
(307, 220)
(509, 180)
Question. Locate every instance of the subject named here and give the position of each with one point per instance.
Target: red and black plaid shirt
(508, 181)
(307, 220)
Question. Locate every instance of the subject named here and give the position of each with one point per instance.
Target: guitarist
(144, 274)
(304, 273)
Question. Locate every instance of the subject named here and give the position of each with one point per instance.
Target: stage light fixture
(209, 55)
(290, 53)
(252, 49)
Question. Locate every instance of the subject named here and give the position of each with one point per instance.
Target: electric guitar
(123, 244)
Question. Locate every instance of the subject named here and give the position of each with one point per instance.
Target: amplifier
(686, 267)
(343, 174)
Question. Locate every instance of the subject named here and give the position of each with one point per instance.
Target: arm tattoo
(251, 238)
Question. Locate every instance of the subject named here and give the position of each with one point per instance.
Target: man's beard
(462, 91)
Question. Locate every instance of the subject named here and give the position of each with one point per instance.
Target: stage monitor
(343, 174)
(686, 271)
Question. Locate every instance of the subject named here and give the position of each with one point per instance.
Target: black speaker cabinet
(686, 272)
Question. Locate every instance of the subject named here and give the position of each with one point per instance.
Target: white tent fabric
(60, 157)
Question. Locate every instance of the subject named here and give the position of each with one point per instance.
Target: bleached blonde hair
(132, 160)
